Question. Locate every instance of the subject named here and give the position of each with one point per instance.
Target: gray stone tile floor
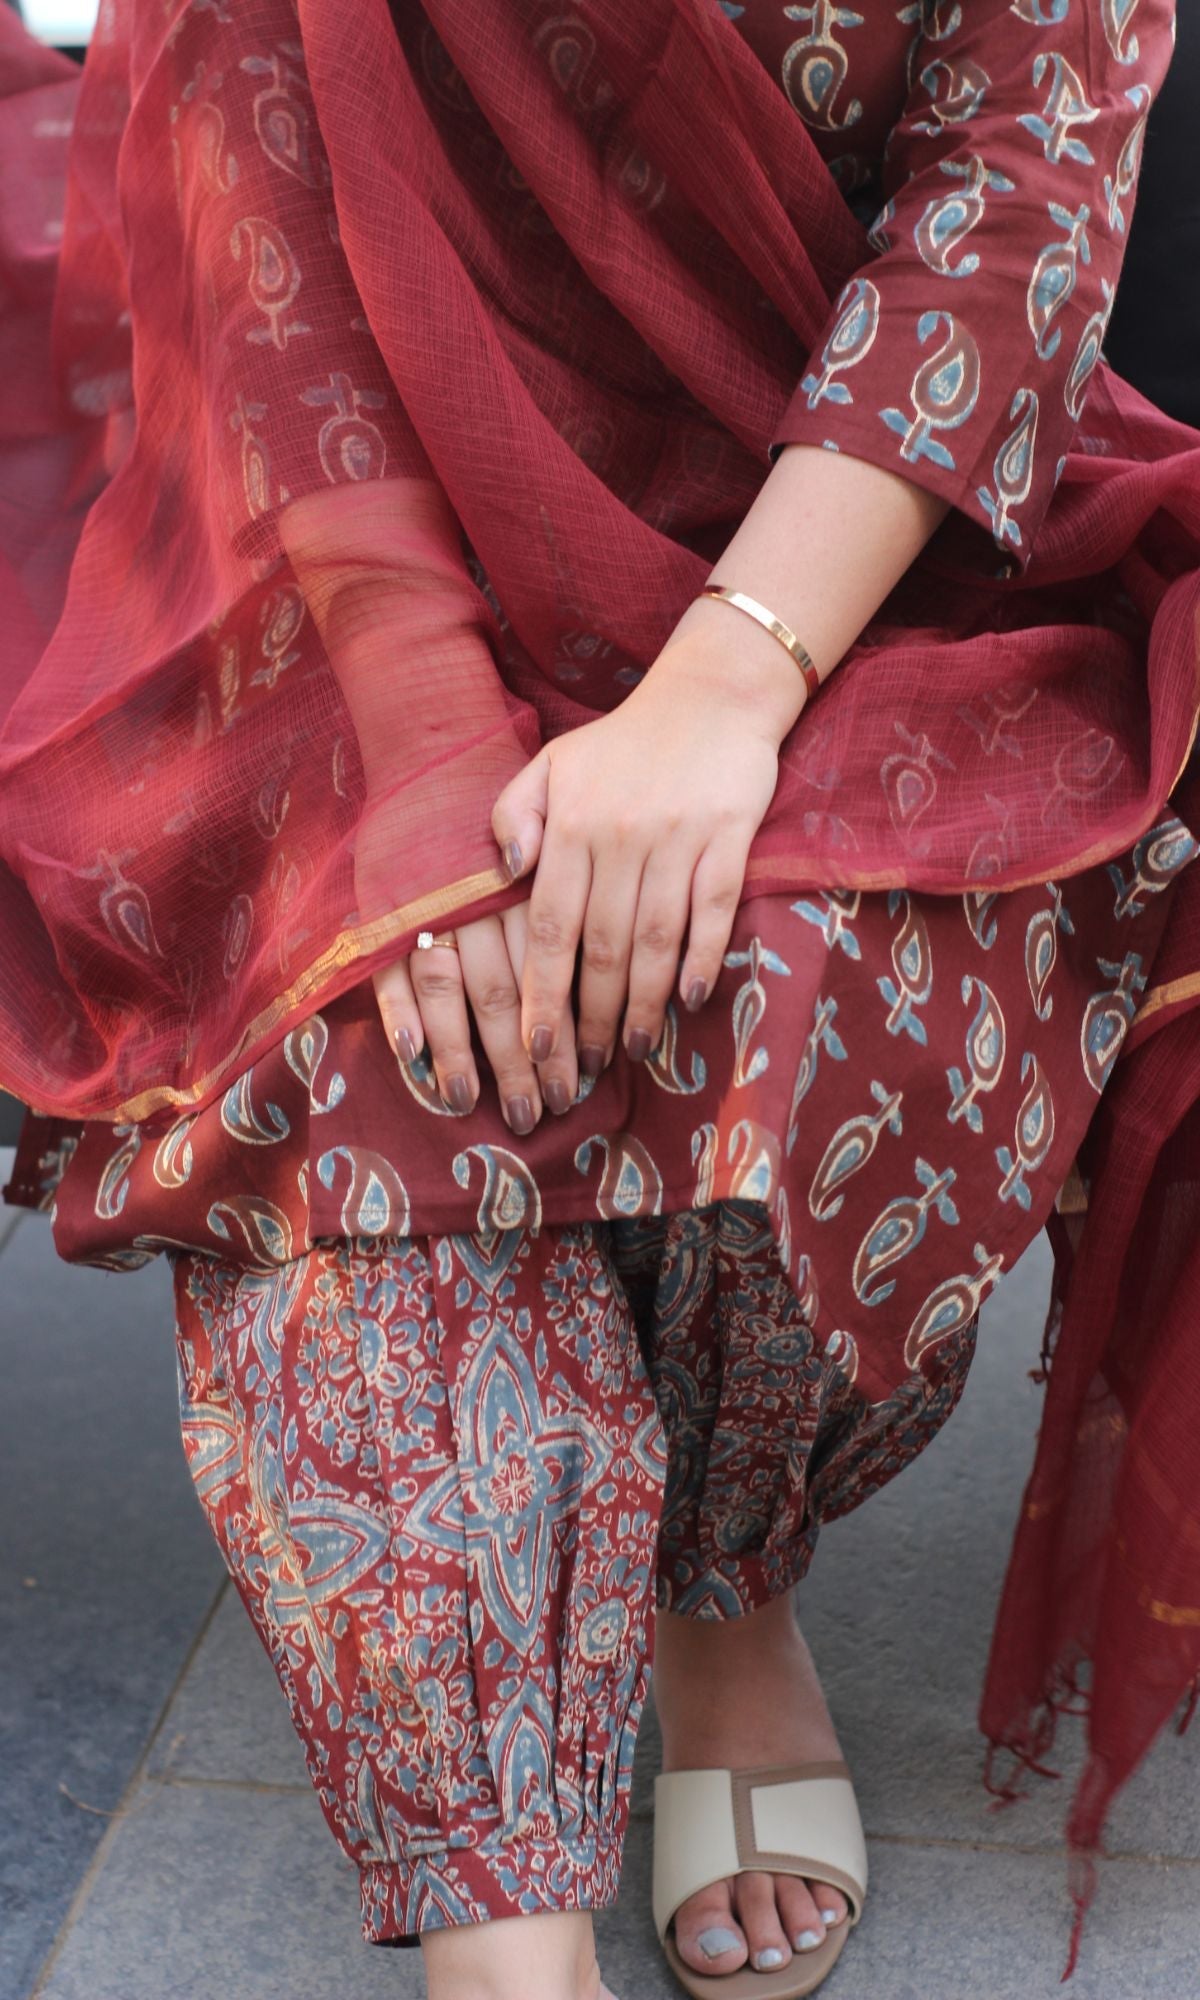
(132, 1676)
(107, 1570)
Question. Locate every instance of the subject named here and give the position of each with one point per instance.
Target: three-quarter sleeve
(959, 356)
(300, 397)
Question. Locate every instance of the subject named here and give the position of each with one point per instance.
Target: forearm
(402, 624)
(824, 541)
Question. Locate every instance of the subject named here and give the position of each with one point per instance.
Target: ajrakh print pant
(451, 1475)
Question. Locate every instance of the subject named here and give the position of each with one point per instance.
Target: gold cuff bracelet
(775, 626)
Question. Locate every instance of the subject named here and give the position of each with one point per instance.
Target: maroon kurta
(966, 138)
(901, 1081)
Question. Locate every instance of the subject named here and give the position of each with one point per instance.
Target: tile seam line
(9, 1228)
(184, 1781)
(83, 1891)
(969, 1845)
(1030, 1848)
(260, 1787)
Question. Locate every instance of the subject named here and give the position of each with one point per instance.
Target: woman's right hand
(383, 575)
(430, 998)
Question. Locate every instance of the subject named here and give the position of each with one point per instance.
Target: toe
(707, 1934)
(754, 1903)
(832, 1905)
(799, 1905)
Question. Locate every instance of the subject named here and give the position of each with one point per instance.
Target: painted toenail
(807, 1941)
(715, 1943)
(766, 1961)
(830, 1917)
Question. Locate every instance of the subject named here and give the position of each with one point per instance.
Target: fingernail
(591, 1059)
(830, 1917)
(512, 859)
(639, 1045)
(713, 1943)
(766, 1961)
(540, 1044)
(407, 1046)
(458, 1094)
(807, 1941)
(519, 1112)
(557, 1096)
(696, 995)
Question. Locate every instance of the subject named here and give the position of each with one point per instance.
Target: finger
(556, 907)
(607, 944)
(398, 1010)
(519, 816)
(437, 982)
(558, 1076)
(716, 892)
(658, 928)
(494, 998)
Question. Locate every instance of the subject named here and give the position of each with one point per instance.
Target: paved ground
(161, 1842)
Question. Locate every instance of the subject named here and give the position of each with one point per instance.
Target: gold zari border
(1167, 1614)
(351, 945)
(1158, 996)
(1167, 994)
(348, 947)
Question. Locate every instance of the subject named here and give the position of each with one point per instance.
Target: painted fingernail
(715, 1943)
(591, 1059)
(540, 1044)
(557, 1096)
(519, 1112)
(512, 860)
(807, 1941)
(639, 1045)
(766, 1961)
(696, 995)
(406, 1043)
(458, 1094)
(831, 1917)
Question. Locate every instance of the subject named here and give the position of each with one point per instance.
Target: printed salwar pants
(727, 1297)
(450, 1477)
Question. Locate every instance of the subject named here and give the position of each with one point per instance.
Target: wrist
(717, 653)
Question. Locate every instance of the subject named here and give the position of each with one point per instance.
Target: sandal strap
(799, 1819)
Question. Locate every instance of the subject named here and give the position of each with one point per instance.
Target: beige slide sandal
(800, 1819)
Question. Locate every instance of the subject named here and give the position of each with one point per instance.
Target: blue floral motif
(944, 391)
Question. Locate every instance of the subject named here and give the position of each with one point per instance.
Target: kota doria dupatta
(1100, 1613)
(332, 277)
(323, 266)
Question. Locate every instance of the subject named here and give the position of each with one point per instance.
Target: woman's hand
(403, 627)
(430, 996)
(640, 825)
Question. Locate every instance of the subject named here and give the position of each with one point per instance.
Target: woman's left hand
(640, 825)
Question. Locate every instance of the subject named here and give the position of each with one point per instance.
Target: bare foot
(738, 1693)
(550, 1956)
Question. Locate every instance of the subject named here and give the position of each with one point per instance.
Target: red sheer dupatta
(1100, 1613)
(184, 816)
(479, 249)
